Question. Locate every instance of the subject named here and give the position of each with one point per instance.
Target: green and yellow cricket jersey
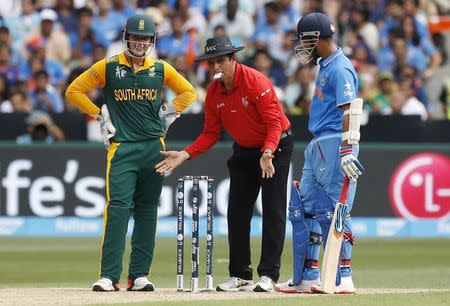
(133, 98)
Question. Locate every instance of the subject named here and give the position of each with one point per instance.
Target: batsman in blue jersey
(332, 154)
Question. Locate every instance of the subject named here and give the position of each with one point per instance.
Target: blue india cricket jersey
(336, 85)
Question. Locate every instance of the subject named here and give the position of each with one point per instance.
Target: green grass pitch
(387, 263)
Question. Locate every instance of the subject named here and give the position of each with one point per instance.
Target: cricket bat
(331, 257)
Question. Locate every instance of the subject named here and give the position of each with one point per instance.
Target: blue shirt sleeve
(345, 86)
(58, 105)
(416, 59)
(428, 48)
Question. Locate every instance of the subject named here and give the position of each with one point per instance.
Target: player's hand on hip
(267, 168)
(168, 114)
(173, 159)
(350, 163)
(107, 128)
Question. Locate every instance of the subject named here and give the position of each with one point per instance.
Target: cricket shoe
(105, 284)
(236, 284)
(265, 284)
(345, 287)
(140, 284)
(289, 287)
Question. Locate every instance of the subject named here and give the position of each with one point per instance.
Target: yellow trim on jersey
(77, 91)
(163, 143)
(148, 62)
(177, 83)
(111, 152)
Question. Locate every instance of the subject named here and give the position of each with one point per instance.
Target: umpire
(243, 101)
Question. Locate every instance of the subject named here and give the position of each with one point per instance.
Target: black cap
(218, 46)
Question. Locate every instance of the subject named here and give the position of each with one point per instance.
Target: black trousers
(245, 183)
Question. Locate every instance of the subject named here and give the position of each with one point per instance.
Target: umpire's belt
(286, 133)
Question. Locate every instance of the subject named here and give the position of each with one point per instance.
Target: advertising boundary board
(67, 180)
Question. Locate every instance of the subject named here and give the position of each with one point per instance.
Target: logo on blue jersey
(318, 93)
(323, 80)
(348, 92)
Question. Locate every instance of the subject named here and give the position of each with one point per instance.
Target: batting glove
(107, 129)
(168, 114)
(350, 163)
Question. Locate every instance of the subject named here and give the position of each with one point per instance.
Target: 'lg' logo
(420, 187)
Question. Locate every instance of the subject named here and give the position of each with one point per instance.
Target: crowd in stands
(45, 44)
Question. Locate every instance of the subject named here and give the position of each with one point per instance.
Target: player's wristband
(345, 150)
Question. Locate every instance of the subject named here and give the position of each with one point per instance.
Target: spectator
(66, 15)
(183, 68)
(289, 60)
(16, 58)
(302, 105)
(10, 8)
(57, 44)
(378, 101)
(45, 96)
(398, 53)
(11, 72)
(39, 61)
(160, 17)
(410, 73)
(264, 63)
(192, 18)
(20, 102)
(284, 54)
(121, 11)
(176, 43)
(364, 64)
(288, 16)
(40, 128)
(105, 22)
(367, 30)
(394, 12)
(270, 35)
(310, 6)
(85, 38)
(423, 44)
(238, 24)
(302, 87)
(22, 25)
(445, 98)
(403, 101)
(217, 6)
(5, 103)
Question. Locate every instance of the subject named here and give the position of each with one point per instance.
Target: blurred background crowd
(399, 48)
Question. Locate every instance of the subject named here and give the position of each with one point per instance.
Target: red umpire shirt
(250, 112)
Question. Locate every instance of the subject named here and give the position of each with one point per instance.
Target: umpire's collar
(148, 62)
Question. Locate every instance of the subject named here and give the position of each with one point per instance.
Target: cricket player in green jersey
(133, 122)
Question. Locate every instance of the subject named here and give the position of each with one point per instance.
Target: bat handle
(343, 197)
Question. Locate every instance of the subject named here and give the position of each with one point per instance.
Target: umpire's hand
(267, 168)
(173, 160)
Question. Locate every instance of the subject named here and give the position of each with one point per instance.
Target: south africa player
(133, 121)
(334, 122)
